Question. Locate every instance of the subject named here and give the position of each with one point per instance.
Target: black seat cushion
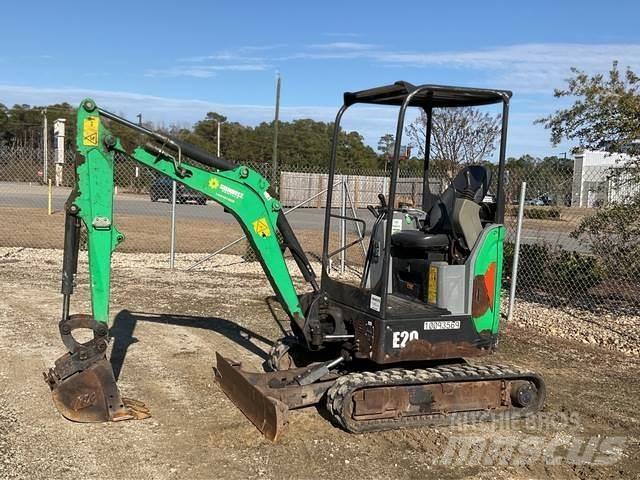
(472, 181)
(418, 239)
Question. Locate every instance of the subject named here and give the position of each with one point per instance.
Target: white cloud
(353, 46)
(370, 121)
(181, 72)
(221, 56)
(533, 67)
(204, 71)
(524, 68)
(238, 54)
(159, 108)
(342, 34)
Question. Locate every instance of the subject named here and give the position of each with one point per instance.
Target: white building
(598, 179)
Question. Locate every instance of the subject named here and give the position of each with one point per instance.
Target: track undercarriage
(369, 401)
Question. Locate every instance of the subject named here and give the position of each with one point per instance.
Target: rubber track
(348, 384)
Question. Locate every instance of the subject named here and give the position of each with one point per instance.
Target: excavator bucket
(92, 396)
(82, 383)
(268, 414)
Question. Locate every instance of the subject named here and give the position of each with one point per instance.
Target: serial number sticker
(90, 128)
(442, 325)
(374, 303)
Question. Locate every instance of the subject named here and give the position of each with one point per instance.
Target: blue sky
(174, 61)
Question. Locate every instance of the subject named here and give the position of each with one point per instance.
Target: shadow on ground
(124, 326)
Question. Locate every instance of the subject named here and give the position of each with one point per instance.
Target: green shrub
(571, 269)
(542, 213)
(613, 236)
(555, 271)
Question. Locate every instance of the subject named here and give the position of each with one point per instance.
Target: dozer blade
(92, 395)
(268, 414)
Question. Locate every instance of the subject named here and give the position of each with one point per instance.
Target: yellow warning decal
(90, 129)
(214, 183)
(432, 289)
(261, 227)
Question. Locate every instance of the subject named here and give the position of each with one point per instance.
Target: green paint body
(491, 251)
(242, 191)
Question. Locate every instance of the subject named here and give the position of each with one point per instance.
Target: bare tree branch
(460, 136)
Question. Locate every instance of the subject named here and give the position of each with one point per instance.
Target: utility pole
(274, 174)
(45, 148)
(218, 136)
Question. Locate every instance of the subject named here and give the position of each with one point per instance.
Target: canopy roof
(433, 96)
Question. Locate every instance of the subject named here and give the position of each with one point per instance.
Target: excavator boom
(82, 381)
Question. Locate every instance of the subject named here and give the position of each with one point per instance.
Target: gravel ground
(172, 324)
(610, 331)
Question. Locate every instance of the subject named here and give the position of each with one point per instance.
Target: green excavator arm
(243, 192)
(82, 381)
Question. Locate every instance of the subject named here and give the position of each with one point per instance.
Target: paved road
(35, 196)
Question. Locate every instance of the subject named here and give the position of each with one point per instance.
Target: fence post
(516, 253)
(49, 206)
(343, 224)
(172, 253)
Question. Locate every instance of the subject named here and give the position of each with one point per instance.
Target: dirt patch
(171, 323)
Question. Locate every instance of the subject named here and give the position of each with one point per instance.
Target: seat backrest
(472, 182)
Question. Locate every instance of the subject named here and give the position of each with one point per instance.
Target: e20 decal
(400, 339)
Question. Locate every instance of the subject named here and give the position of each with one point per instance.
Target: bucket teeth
(136, 408)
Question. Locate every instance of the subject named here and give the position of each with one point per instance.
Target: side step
(266, 398)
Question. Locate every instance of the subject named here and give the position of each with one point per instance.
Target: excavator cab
(431, 281)
(429, 295)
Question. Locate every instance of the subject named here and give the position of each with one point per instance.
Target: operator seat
(455, 214)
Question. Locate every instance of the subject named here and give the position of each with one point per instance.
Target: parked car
(161, 189)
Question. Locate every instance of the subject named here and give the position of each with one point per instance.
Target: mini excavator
(385, 352)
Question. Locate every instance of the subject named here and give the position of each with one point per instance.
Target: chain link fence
(580, 234)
